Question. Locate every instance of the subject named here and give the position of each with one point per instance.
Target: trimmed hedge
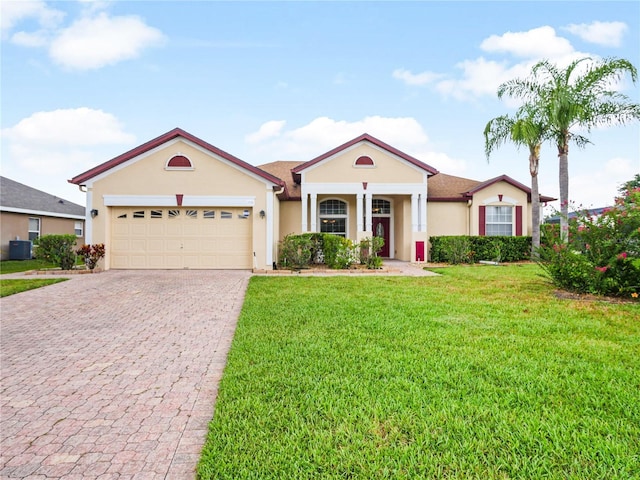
(470, 249)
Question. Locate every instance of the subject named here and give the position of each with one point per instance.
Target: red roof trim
(156, 142)
(374, 141)
(511, 181)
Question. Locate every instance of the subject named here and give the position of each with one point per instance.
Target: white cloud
(92, 43)
(323, 134)
(267, 130)
(63, 140)
(608, 34)
(541, 42)
(13, 12)
(598, 187)
(415, 79)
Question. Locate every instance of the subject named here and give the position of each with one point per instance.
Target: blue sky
(84, 81)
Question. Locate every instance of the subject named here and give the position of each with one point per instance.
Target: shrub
(338, 252)
(57, 249)
(601, 255)
(368, 250)
(298, 251)
(91, 254)
(468, 249)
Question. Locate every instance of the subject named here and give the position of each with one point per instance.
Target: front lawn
(9, 286)
(16, 266)
(480, 373)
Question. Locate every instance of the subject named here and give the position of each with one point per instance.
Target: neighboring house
(591, 212)
(27, 213)
(179, 202)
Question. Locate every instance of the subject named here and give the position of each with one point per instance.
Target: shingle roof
(445, 187)
(448, 188)
(282, 169)
(16, 196)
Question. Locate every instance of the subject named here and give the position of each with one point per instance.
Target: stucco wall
(210, 177)
(340, 169)
(447, 218)
(16, 226)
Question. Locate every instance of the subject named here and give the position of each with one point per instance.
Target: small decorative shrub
(298, 251)
(339, 252)
(91, 254)
(368, 250)
(57, 249)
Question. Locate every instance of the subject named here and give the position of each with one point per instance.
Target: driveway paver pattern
(114, 375)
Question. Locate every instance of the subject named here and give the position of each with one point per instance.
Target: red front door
(381, 229)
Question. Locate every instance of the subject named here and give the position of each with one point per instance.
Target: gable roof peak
(374, 141)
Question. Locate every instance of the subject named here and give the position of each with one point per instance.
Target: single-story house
(178, 202)
(27, 213)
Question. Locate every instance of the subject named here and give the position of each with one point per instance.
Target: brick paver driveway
(114, 375)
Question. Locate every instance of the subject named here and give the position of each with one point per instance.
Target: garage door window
(209, 214)
(226, 215)
(138, 214)
(191, 213)
(156, 213)
(174, 213)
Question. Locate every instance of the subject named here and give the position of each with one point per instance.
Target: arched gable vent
(364, 161)
(179, 162)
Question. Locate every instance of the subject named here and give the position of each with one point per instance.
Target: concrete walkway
(114, 375)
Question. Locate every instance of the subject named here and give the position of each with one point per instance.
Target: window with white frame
(78, 228)
(34, 228)
(333, 217)
(499, 221)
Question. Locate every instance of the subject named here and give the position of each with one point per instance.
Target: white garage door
(178, 238)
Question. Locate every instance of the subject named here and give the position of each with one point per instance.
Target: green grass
(10, 286)
(481, 373)
(16, 266)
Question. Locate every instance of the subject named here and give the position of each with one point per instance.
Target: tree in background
(580, 96)
(525, 129)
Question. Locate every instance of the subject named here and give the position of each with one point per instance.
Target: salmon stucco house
(178, 202)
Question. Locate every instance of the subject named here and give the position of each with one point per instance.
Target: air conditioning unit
(20, 249)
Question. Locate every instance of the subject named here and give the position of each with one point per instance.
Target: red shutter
(519, 220)
(481, 222)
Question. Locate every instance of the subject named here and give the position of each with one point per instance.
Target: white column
(305, 223)
(359, 212)
(414, 212)
(88, 221)
(313, 213)
(423, 212)
(269, 219)
(367, 211)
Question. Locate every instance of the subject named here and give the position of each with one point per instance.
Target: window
(79, 228)
(156, 213)
(499, 221)
(226, 215)
(191, 213)
(380, 207)
(34, 228)
(209, 214)
(174, 213)
(333, 217)
(138, 214)
(179, 162)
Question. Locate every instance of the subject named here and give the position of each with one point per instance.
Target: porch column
(305, 223)
(423, 212)
(367, 212)
(314, 204)
(414, 213)
(359, 212)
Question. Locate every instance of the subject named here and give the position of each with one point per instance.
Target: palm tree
(526, 129)
(573, 98)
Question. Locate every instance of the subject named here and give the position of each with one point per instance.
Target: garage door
(178, 238)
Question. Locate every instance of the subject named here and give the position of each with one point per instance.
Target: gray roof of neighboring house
(15, 196)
